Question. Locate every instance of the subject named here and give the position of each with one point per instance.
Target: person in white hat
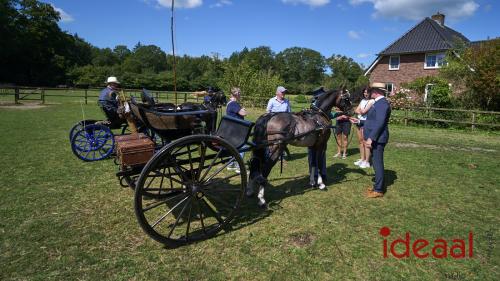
(279, 103)
(107, 97)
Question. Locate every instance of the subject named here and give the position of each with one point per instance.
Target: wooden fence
(421, 115)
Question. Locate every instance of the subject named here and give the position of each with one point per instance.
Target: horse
(309, 128)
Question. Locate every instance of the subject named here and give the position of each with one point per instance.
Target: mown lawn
(63, 219)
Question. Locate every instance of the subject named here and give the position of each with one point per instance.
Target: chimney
(439, 18)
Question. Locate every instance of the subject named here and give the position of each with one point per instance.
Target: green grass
(63, 219)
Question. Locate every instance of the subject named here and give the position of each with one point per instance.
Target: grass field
(63, 219)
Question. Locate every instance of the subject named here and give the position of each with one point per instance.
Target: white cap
(112, 79)
(378, 85)
(281, 89)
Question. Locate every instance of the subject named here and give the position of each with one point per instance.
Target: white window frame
(391, 86)
(390, 65)
(436, 64)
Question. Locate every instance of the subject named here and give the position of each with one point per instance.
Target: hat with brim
(281, 89)
(112, 79)
(378, 85)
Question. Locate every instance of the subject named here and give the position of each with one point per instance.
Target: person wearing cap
(279, 103)
(234, 109)
(107, 97)
(208, 97)
(376, 135)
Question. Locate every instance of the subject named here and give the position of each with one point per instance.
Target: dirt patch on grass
(301, 240)
(25, 106)
(436, 147)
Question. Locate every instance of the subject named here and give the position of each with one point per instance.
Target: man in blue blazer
(376, 135)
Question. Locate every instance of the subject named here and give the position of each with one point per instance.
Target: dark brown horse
(309, 128)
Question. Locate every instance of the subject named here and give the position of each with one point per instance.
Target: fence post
(406, 116)
(473, 121)
(43, 96)
(185, 97)
(16, 95)
(86, 96)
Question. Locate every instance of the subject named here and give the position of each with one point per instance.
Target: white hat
(281, 89)
(112, 79)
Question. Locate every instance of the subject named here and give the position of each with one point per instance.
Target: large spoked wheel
(186, 191)
(92, 143)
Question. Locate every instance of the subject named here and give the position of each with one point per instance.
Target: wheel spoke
(203, 151)
(211, 165)
(167, 213)
(220, 169)
(212, 209)
(215, 182)
(178, 218)
(189, 220)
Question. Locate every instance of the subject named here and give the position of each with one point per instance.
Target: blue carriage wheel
(93, 142)
(78, 126)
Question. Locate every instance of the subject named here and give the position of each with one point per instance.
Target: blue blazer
(377, 119)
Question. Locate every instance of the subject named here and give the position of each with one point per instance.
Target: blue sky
(355, 28)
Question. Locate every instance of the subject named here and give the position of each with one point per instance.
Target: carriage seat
(235, 131)
(147, 98)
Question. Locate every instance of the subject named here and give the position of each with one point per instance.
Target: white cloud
(419, 9)
(65, 17)
(312, 3)
(353, 34)
(363, 55)
(221, 3)
(181, 3)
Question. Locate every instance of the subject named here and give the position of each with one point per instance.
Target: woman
(235, 110)
(342, 131)
(361, 110)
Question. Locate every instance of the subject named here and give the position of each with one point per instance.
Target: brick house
(419, 52)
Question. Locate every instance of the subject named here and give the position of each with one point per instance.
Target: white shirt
(362, 105)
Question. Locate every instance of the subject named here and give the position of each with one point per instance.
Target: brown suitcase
(134, 151)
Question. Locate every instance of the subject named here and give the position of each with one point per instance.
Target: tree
(254, 84)
(476, 71)
(301, 68)
(121, 52)
(345, 72)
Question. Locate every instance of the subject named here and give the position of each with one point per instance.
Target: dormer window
(434, 60)
(394, 63)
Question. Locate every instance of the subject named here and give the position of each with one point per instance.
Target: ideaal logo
(423, 248)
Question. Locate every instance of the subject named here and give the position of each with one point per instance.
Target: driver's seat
(147, 98)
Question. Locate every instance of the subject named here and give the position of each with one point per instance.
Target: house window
(389, 87)
(394, 63)
(434, 60)
(428, 90)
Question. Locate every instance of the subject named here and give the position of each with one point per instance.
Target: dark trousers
(378, 165)
(317, 165)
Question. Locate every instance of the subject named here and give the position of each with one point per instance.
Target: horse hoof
(249, 192)
(262, 205)
(322, 187)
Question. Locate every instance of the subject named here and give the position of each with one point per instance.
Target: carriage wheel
(186, 193)
(93, 142)
(78, 126)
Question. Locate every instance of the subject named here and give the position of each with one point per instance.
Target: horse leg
(312, 159)
(274, 154)
(321, 169)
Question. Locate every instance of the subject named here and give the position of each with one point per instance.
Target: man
(107, 97)
(376, 135)
(279, 103)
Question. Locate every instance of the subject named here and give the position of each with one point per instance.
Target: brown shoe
(369, 189)
(374, 194)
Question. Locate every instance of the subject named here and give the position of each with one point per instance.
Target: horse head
(217, 100)
(339, 98)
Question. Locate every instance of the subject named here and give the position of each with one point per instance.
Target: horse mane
(260, 128)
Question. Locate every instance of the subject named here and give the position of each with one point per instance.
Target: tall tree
(301, 68)
(476, 70)
(345, 72)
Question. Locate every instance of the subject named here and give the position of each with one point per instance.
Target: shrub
(300, 99)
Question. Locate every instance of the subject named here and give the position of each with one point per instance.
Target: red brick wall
(410, 68)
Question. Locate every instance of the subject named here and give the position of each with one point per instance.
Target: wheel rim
(93, 142)
(186, 193)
